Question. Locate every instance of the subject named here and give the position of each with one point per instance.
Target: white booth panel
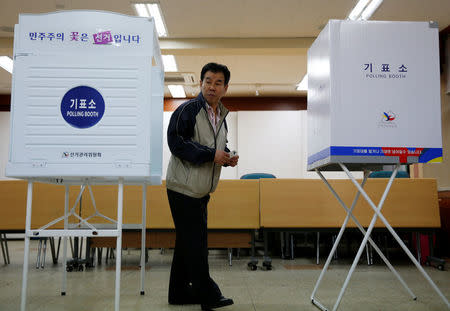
(157, 113)
(81, 31)
(402, 79)
(48, 135)
(373, 94)
(87, 101)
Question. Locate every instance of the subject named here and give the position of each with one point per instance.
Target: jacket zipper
(215, 145)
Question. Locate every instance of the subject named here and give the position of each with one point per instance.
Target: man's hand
(221, 157)
(233, 161)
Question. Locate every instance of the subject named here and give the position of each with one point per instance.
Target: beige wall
(441, 171)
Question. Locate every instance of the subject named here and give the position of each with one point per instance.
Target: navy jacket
(193, 145)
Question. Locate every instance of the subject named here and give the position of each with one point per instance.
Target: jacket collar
(223, 110)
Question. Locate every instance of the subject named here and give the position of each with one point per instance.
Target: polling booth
(86, 108)
(373, 100)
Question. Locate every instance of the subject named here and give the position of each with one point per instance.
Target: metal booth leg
(66, 226)
(23, 300)
(143, 236)
(119, 243)
(395, 235)
(366, 237)
(336, 242)
(44, 233)
(372, 243)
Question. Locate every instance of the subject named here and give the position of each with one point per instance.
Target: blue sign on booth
(82, 107)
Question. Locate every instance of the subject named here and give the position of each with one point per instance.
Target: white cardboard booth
(374, 94)
(86, 108)
(373, 99)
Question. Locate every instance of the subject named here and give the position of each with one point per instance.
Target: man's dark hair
(214, 67)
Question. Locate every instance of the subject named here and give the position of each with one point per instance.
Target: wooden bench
(294, 205)
(233, 215)
(236, 209)
(306, 203)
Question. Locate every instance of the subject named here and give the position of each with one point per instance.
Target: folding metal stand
(92, 231)
(377, 213)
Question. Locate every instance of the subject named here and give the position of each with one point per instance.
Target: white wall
(231, 172)
(267, 142)
(270, 142)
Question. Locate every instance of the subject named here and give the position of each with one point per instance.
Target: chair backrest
(257, 176)
(387, 174)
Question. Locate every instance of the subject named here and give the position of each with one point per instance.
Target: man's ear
(226, 87)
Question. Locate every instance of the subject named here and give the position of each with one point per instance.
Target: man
(197, 137)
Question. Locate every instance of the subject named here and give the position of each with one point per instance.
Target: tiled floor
(287, 287)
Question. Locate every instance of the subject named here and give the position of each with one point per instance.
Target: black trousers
(190, 281)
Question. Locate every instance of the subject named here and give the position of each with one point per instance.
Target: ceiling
(264, 43)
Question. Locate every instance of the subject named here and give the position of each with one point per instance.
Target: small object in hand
(233, 153)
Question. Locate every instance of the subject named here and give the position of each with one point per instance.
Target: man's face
(213, 87)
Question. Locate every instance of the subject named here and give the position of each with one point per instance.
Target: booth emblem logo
(388, 116)
(82, 107)
(388, 119)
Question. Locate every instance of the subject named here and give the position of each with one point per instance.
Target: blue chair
(388, 174)
(267, 263)
(257, 176)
